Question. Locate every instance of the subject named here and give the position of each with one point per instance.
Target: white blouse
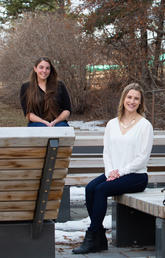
(129, 152)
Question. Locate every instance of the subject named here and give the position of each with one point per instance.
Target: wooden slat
(52, 214)
(100, 155)
(30, 163)
(22, 152)
(81, 180)
(29, 174)
(150, 201)
(86, 162)
(16, 215)
(159, 139)
(25, 215)
(27, 195)
(26, 205)
(28, 185)
(80, 132)
(31, 136)
(95, 138)
(17, 142)
(29, 152)
(88, 138)
(156, 161)
(156, 177)
(88, 141)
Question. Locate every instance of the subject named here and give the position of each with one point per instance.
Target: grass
(13, 117)
(10, 116)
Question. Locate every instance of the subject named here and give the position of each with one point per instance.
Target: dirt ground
(12, 115)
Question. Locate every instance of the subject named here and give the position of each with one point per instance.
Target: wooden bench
(87, 159)
(33, 165)
(87, 163)
(139, 219)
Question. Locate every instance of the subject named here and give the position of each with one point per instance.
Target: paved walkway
(113, 252)
(65, 251)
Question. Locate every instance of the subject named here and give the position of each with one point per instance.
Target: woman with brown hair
(128, 142)
(45, 100)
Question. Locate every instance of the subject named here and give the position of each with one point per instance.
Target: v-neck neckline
(123, 134)
(41, 89)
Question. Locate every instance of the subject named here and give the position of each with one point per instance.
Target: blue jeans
(38, 124)
(98, 190)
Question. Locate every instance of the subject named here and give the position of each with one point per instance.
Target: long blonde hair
(142, 107)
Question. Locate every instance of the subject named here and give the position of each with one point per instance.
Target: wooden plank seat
(139, 219)
(33, 166)
(150, 201)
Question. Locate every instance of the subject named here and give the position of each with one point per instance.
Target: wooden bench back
(87, 163)
(22, 157)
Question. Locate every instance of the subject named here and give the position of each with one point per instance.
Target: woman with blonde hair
(128, 142)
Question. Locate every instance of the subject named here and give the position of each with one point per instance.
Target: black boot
(91, 244)
(103, 240)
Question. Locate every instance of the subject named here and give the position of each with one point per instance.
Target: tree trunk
(158, 41)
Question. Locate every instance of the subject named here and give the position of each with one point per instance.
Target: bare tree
(60, 39)
(128, 42)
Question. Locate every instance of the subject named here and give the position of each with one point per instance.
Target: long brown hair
(33, 98)
(142, 107)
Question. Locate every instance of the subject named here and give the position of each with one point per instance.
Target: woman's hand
(113, 175)
(47, 123)
(34, 118)
(64, 115)
(53, 123)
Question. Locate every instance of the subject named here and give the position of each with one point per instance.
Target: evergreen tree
(12, 9)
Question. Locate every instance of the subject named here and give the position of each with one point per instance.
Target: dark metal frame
(131, 227)
(45, 184)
